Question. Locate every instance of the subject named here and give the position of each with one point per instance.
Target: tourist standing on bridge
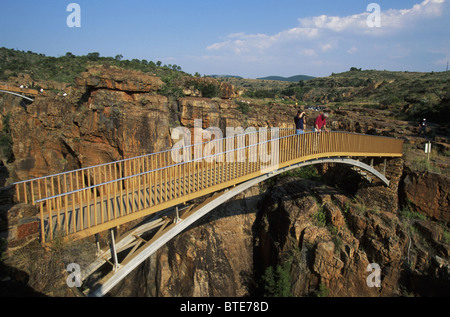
(321, 123)
(300, 124)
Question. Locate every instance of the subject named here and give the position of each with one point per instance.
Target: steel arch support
(339, 160)
(199, 212)
(16, 94)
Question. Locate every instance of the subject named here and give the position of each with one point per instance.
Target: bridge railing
(29, 191)
(148, 188)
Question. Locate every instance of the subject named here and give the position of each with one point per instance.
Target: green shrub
(277, 283)
(320, 217)
(323, 291)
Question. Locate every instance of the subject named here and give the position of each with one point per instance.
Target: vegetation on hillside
(409, 95)
(66, 68)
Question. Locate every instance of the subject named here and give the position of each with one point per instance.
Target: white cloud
(352, 50)
(309, 52)
(241, 42)
(331, 38)
(390, 19)
(326, 47)
(315, 27)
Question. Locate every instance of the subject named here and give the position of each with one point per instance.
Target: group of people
(319, 124)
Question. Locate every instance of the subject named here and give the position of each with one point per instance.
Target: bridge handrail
(131, 158)
(26, 187)
(91, 209)
(191, 161)
(165, 167)
(78, 177)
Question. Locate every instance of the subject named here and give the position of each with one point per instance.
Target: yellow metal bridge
(87, 201)
(81, 203)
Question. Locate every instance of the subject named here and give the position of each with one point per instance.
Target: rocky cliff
(322, 239)
(319, 235)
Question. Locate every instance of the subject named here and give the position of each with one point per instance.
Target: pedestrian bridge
(19, 92)
(81, 203)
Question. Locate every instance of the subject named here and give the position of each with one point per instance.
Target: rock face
(324, 240)
(114, 114)
(93, 124)
(330, 240)
(428, 194)
(118, 79)
(214, 258)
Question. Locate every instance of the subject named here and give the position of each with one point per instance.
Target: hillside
(409, 95)
(292, 79)
(66, 68)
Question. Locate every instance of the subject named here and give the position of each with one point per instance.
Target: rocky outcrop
(93, 124)
(330, 240)
(324, 240)
(99, 77)
(428, 194)
(213, 258)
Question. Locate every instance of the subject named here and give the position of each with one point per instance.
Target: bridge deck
(81, 203)
(25, 91)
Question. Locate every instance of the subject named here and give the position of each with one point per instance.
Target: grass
(408, 213)
(46, 268)
(446, 236)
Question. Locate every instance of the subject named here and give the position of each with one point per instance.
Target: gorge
(311, 232)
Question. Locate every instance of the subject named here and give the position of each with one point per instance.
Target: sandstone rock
(428, 194)
(118, 79)
(227, 91)
(214, 258)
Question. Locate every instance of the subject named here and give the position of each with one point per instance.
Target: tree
(93, 56)
(277, 283)
(118, 57)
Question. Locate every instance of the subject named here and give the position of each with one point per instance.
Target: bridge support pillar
(97, 242)
(114, 250)
(177, 219)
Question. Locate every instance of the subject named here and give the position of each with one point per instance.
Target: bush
(277, 283)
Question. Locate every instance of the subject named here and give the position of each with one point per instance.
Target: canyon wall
(321, 237)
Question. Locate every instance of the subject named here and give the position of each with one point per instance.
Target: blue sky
(249, 38)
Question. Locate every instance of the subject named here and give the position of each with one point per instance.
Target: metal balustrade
(87, 201)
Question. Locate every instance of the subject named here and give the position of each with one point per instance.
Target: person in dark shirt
(300, 124)
(423, 127)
